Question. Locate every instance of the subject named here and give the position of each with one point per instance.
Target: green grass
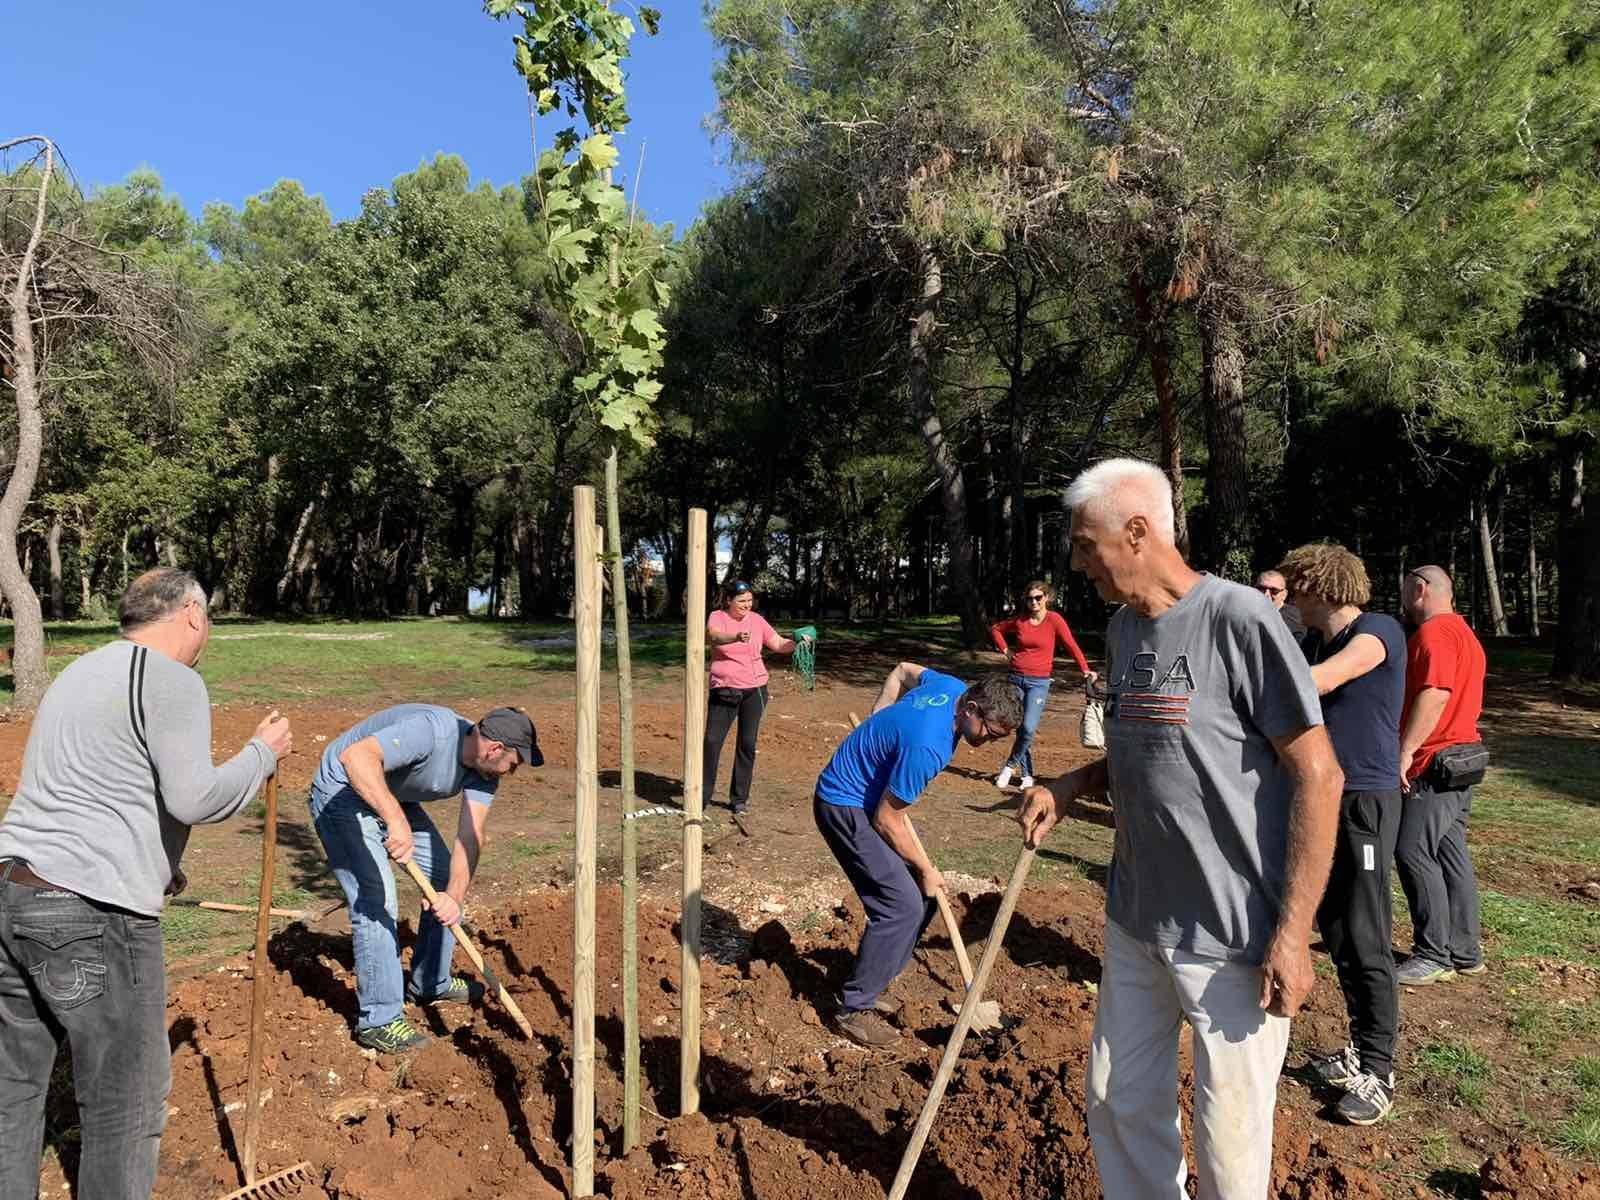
(519, 850)
(251, 661)
(1461, 1070)
(185, 928)
(1544, 1028)
(1528, 928)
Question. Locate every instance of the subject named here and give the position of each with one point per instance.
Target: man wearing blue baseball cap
(367, 803)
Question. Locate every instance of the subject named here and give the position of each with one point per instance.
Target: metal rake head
(278, 1186)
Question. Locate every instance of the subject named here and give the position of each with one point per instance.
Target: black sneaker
(398, 1036)
(1338, 1069)
(1367, 1100)
(457, 991)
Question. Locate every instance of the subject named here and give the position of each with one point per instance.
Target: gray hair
(997, 699)
(156, 595)
(1120, 488)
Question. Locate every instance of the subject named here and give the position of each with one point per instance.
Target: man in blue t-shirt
(1358, 663)
(861, 808)
(366, 803)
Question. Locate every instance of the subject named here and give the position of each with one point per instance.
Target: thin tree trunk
(58, 591)
(952, 488)
(1577, 651)
(1491, 576)
(1533, 563)
(291, 559)
(1159, 341)
(1227, 484)
(29, 675)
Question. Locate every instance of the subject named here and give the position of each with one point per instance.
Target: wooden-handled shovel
(473, 953)
(958, 1035)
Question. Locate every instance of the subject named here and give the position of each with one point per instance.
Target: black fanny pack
(1457, 767)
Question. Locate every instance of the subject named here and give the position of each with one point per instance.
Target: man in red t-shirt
(1445, 667)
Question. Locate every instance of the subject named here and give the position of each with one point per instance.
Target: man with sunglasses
(1272, 585)
(862, 806)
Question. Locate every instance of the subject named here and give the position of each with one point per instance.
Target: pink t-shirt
(738, 664)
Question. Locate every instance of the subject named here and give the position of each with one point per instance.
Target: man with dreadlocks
(1358, 663)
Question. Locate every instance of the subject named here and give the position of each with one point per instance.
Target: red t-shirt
(1036, 644)
(1445, 653)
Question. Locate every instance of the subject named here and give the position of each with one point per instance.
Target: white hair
(1120, 488)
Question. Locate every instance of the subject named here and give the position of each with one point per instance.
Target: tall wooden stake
(694, 729)
(630, 829)
(586, 613)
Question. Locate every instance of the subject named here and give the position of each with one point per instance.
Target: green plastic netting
(804, 662)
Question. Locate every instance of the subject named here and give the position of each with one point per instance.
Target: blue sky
(226, 99)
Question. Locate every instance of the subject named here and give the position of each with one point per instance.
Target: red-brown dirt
(791, 1112)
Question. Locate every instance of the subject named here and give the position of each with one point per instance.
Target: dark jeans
(93, 976)
(1035, 691)
(747, 704)
(897, 911)
(1357, 922)
(1437, 877)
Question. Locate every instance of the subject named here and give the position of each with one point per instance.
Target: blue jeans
(1035, 691)
(353, 836)
(93, 976)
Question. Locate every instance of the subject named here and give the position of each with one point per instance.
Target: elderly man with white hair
(1227, 797)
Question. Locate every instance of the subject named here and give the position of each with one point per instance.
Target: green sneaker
(396, 1037)
(457, 991)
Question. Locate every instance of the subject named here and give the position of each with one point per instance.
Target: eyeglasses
(1266, 589)
(741, 587)
(1034, 597)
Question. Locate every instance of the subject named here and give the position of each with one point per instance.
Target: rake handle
(958, 1035)
(474, 954)
(259, 979)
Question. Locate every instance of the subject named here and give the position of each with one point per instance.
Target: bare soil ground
(790, 1110)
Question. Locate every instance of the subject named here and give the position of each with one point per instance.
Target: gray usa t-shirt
(1202, 799)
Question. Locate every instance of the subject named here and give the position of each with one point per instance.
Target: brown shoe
(865, 1028)
(888, 1007)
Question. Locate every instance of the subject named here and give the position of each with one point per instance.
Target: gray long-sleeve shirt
(95, 812)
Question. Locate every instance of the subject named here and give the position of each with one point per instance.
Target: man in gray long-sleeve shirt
(118, 767)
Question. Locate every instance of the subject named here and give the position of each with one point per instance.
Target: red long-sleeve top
(1036, 644)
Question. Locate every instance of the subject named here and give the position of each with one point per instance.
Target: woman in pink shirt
(737, 635)
(1035, 631)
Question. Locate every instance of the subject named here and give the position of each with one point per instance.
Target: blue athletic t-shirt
(421, 756)
(899, 749)
(1363, 715)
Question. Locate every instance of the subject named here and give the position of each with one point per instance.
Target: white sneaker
(1003, 779)
(1027, 782)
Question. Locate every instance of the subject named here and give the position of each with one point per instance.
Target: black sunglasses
(741, 587)
(1034, 596)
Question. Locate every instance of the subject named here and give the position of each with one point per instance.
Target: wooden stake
(958, 1035)
(260, 975)
(630, 829)
(586, 614)
(694, 730)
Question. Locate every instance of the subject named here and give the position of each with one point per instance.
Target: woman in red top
(1036, 633)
